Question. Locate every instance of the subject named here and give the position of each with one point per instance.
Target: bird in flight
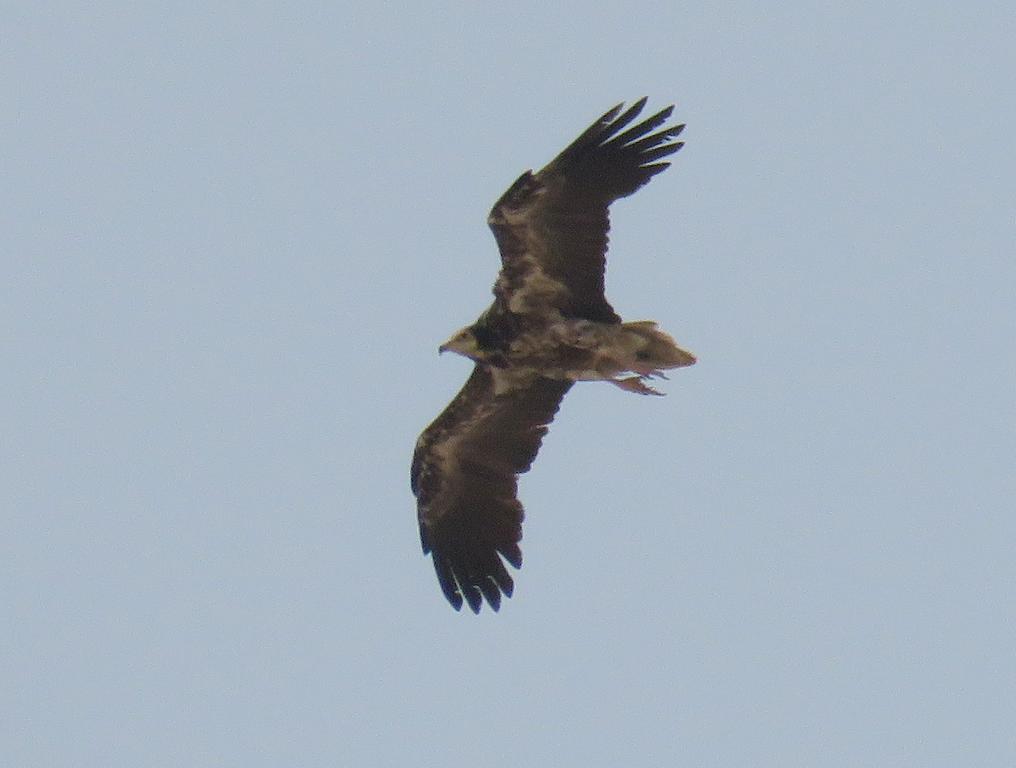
(549, 326)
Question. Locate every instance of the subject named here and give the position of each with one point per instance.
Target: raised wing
(465, 477)
(552, 227)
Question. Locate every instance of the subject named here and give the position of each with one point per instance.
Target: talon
(635, 384)
(648, 372)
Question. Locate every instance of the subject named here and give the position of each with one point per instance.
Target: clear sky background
(232, 239)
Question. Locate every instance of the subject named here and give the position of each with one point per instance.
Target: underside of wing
(465, 477)
(551, 227)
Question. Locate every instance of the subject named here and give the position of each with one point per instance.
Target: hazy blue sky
(232, 239)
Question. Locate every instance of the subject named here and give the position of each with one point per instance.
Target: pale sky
(233, 238)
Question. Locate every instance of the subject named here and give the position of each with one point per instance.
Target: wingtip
(494, 599)
(635, 108)
(610, 114)
(474, 598)
(662, 115)
(512, 553)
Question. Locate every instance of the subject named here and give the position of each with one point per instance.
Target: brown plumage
(549, 326)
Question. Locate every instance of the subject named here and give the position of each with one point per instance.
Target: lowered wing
(465, 477)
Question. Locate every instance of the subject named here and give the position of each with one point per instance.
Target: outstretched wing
(465, 476)
(551, 227)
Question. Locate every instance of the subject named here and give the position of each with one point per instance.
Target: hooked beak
(442, 349)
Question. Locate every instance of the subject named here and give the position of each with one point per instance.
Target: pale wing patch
(511, 379)
(536, 290)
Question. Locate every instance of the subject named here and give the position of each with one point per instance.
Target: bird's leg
(635, 384)
(648, 371)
